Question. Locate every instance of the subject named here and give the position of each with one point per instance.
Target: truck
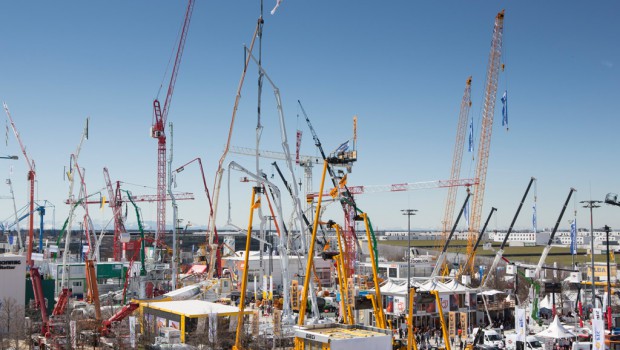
(492, 338)
(531, 343)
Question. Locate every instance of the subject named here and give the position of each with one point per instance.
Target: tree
(12, 323)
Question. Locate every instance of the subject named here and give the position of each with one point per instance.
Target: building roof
(195, 308)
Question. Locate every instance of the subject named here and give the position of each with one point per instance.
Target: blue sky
(400, 66)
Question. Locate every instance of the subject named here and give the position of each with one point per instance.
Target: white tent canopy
(555, 331)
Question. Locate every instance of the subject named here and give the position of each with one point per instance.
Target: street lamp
(9, 157)
(591, 205)
(409, 213)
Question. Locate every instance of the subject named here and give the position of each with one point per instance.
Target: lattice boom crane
(488, 112)
(159, 123)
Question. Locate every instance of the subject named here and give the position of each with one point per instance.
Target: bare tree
(12, 323)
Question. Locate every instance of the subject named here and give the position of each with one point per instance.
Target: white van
(531, 343)
(491, 337)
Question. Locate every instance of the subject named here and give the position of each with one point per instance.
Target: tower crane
(306, 162)
(117, 210)
(347, 158)
(405, 186)
(159, 123)
(71, 200)
(488, 112)
(35, 276)
(457, 157)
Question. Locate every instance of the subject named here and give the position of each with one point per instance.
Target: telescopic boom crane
(500, 253)
(442, 256)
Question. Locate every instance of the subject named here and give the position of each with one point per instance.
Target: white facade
(13, 277)
(525, 238)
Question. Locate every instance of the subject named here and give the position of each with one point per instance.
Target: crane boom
(117, 210)
(488, 111)
(457, 157)
(159, 124)
(500, 253)
(442, 255)
(35, 276)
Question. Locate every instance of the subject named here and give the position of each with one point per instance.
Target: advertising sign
(464, 324)
(520, 327)
(452, 324)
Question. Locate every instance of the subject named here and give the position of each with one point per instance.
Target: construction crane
(442, 256)
(218, 262)
(35, 276)
(457, 157)
(306, 162)
(144, 197)
(406, 186)
(500, 253)
(117, 210)
(159, 123)
(348, 204)
(488, 112)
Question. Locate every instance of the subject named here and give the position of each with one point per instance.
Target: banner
(132, 331)
(534, 223)
(452, 324)
(573, 237)
(264, 287)
(470, 147)
(298, 146)
(73, 330)
(464, 325)
(467, 301)
(597, 314)
(399, 305)
(505, 109)
(598, 334)
(277, 322)
(520, 328)
(213, 327)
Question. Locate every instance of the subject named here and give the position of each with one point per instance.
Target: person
(403, 329)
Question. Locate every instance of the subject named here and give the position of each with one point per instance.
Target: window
(76, 283)
(393, 272)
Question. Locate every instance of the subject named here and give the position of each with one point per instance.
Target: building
(261, 266)
(76, 276)
(12, 275)
(523, 238)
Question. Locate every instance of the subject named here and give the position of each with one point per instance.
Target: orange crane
(484, 145)
(457, 157)
(159, 124)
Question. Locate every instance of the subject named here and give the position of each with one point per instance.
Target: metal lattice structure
(484, 145)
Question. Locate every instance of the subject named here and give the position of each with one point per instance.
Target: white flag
(520, 327)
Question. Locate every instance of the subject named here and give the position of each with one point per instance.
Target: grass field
(522, 254)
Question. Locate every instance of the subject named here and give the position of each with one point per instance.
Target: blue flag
(505, 109)
(573, 237)
(471, 135)
(342, 148)
(534, 224)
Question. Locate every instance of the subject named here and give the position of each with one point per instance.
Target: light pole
(591, 205)
(610, 198)
(409, 213)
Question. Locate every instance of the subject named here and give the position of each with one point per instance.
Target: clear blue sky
(400, 66)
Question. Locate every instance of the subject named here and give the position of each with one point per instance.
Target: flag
(505, 109)
(276, 7)
(103, 201)
(520, 328)
(466, 214)
(343, 147)
(298, 145)
(573, 237)
(470, 148)
(534, 224)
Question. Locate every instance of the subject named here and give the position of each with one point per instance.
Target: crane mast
(488, 111)
(457, 157)
(159, 124)
(117, 210)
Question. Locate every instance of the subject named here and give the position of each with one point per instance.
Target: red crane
(35, 276)
(159, 125)
(117, 209)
